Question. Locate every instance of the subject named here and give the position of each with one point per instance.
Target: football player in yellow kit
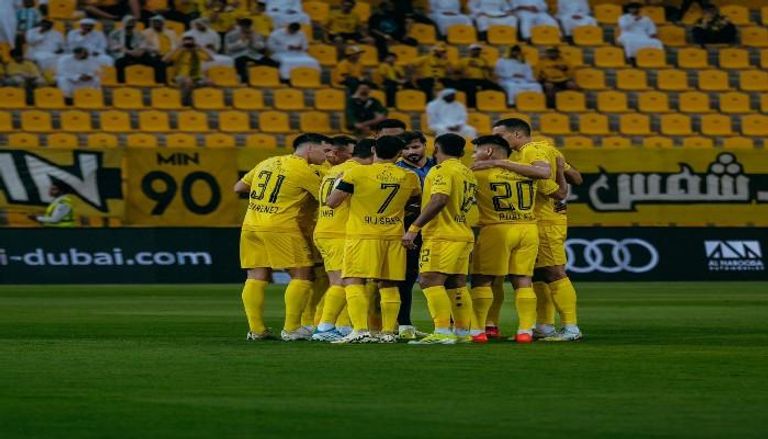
(271, 236)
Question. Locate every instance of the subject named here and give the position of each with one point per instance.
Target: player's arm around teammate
(526, 161)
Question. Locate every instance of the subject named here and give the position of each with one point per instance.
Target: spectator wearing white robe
(489, 13)
(289, 47)
(77, 70)
(447, 115)
(8, 23)
(532, 13)
(209, 40)
(93, 40)
(44, 45)
(285, 12)
(515, 75)
(574, 13)
(446, 13)
(637, 31)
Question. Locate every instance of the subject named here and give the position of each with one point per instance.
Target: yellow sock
(545, 309)
(390, 306)
(440, 307)
(253, 302)
(296, 295)
(319, 310)
(494, 313)
(343, 320)
(564, 297)
(318, 290)
(482, 299)
(334, 302)
(461, 308)
(374, 310)
(525, 302)
(357, 305)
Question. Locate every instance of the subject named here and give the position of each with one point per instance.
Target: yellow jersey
(280, 188)
(190, 63)
(389, 72)
(554, 70)
(430, 66)
(530, 153)
(548, 209)
(506, 197)
(454, 222)
(262, 24)
(380, 193)
(332, 223)
(475, 68)
(346, 69)
(341, 23)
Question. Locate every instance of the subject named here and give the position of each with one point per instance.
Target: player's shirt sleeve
(547, 186)
(248, 178)
(310, 181)
(441, 182)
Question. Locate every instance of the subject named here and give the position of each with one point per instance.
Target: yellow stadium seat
(317, 11)
(554, 124)
(672, 80)
(274, 122)
(588, 36)
(651, 58)
(631, 79)
(754, 36)
(247, 99)
(315, 121)
(305, 77)
(672, 36)
(531, 102)
(234, 121)
(502, 35)
(62, 140)
(698, 142)
(737, 14)
(381, 97)
(530, 54)
(180, 140)
(12, 98)
(49, 98)
(219, 140)
(735, 102)
(208, 98)
(6, 122)
(165, 98)
(330, 99)
(590, 79)
(634, 124)
(75, 121)
(88, 98)
(462, 34)
(156, 5)
(607, 13)
(140, 75)
(716, 125)
(140, 140)
(675, 125)
(573, 54)
(154, 121)
(481, 122)
(738, 142)
(754, 125)
(694, 102)
(593, 124)
(545, 35)
(109, 76)
(363, 10)
(191, 121)
(263, 76)
(36, 121)
(370, 56)
(733, 58)
(764, 102)
(23, 140)
(405, 54)
(653, 102)
(405, 118)
(753, 80)
(61, 9)
(764, 15)
(764, 58)
(410, 100)
(176, 26)
(615, 142)
(115, 121)
(713, 80)
(658, 142)
(692, 58)
(127, 98)
(325, 54)
(612, 102)
(578, 142)
(491, 100)
(423, 33)
(101, 140)
(609, 57)
(262, 141)
(288, 99)
(571, 101)
(490, 54)
(223, 76)
(655, 13)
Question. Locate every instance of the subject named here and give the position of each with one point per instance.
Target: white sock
(545, 328)
(572, 328)
(322, 327)
(461, 332)
(443, 331)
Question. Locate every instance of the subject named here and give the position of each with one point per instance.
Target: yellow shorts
(374, 259)
(503, 249)
(552, 245)
(274, 250)
(447, 257)
(332, 251)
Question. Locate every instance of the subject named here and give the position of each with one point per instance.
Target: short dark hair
(409, 136)
(294, 27)
(495, 140)
(388, 147)
(451, 144)
(514, 124)
(390, 123)
(245, 21)
(342, 141)
(364, 148)
(310, 138)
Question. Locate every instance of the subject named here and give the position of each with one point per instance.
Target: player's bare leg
(433, 286)
(525, 302)
(253, 302)
(564, 299)
(482, 299)
(297, 293)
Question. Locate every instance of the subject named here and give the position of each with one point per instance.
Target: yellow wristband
(414, 229)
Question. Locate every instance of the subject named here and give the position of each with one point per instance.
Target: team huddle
(355, 222)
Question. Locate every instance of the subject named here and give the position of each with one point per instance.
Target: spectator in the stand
(248, 48)
(126, 45)
(262, 23)
(446, 13)
(637, 31)
(386, 26)
(364, 112)
(532, 13)
(713, 28)
(489, 13)
(183, 11)
(344, 25)
(284, 12)
(112, 9)
(159, 41)
(289, 48)
(44, 45)
(432, 69)
(187, 61)
(555, 74)
(574, 13)
(91, 39)
(476, 74)
(516, 75)
(27, 17)
(220, 17)
(8, 23)
(77, 70)
(447, 115)
(60, 213)
(209, 40)
(686, 4)
(392, 78)
(349, 72)
(21, 72)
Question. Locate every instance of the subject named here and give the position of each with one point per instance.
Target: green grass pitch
(659, 360)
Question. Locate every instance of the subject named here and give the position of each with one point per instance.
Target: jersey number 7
(393, 188)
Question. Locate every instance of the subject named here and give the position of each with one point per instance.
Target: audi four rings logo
(611, 256)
